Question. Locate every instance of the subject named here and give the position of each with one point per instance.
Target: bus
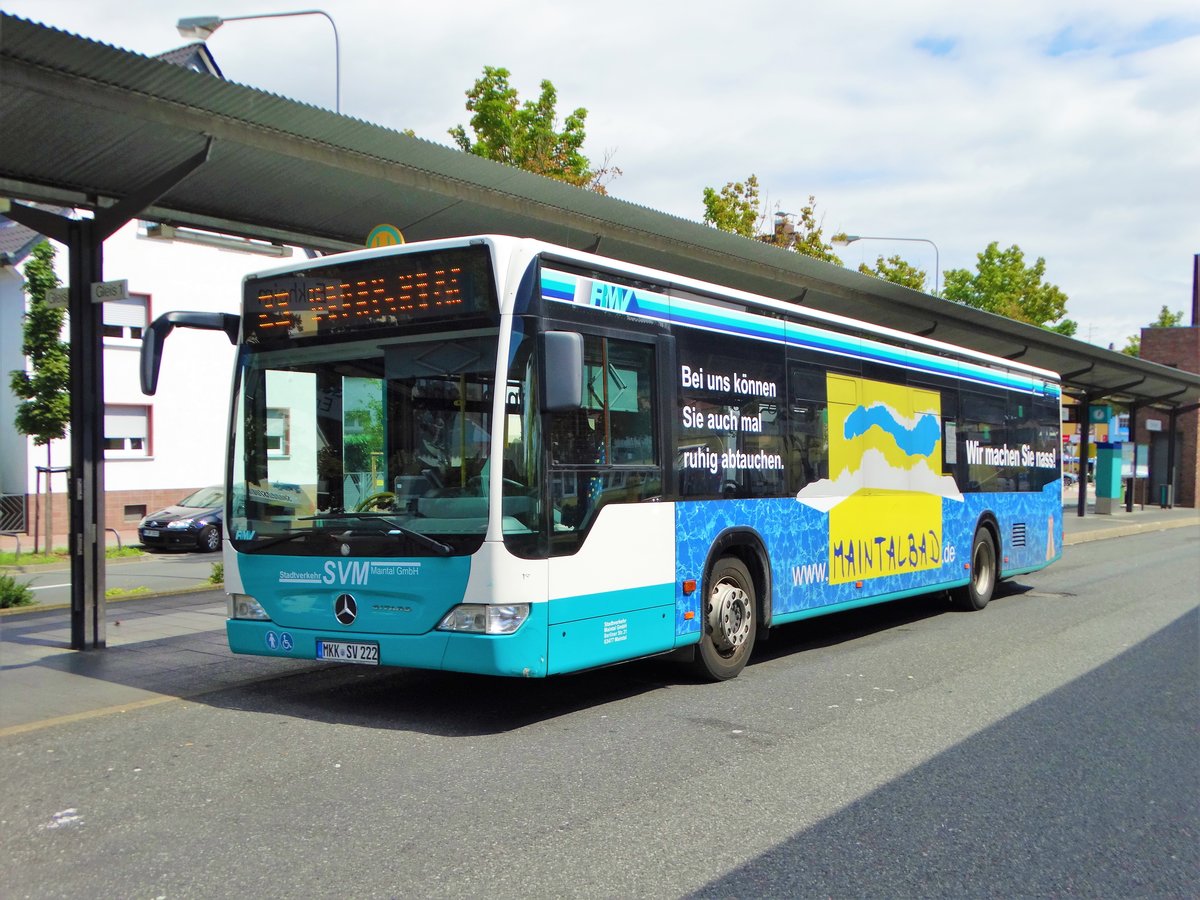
(495, 455)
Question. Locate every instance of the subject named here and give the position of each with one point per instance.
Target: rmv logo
(611, 296)
(346, 571)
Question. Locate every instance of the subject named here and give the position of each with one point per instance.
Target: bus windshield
(363, 447)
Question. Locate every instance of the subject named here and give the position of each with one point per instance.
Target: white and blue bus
(499, 456)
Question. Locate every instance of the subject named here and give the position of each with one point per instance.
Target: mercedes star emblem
(345, 609)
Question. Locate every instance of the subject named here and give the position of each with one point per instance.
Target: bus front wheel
(730, 621)
(976, 593)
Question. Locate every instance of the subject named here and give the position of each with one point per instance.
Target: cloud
(1070, 129)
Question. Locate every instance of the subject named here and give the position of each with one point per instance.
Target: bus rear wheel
(730, 621)
(976, 593)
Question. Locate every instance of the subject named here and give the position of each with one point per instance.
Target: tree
(44, 390)
(1004, 285)
(1166, 319)
(526, 135)
(737, 208)
(803, 233)
(897, 270)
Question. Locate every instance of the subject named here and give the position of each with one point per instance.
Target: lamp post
(202, 27)
(847, 239)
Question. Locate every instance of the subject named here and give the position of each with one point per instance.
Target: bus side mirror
(156, 334)
(562, 372)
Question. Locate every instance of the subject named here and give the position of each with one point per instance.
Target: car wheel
(210, 539)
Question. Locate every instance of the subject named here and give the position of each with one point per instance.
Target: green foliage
(803, 233)
(14, 593)
(59, 555)
(897, 270)
(116, 593)
(1166, 319)
(526, 135)
(217, 576)
(363, 435)
(44, 390)
(1004, 285)
(736, 208)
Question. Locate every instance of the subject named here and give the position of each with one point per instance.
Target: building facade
(157, 449)
(1179, 348)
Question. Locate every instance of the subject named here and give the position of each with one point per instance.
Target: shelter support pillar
(1085, 430)
(84, 239)
(1132, 482)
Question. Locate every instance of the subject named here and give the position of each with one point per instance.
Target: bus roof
(506, 246)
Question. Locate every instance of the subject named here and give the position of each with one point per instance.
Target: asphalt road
(154, 573)
(1046, 746)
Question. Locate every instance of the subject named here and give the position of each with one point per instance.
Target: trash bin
(1166, 495)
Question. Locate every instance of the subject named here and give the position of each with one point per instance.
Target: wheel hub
(729, 616)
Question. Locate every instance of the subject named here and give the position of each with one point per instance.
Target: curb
(47, 607)
(1126, 530)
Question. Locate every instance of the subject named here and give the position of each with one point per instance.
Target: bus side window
(808, 427)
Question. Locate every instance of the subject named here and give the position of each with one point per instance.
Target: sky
(1071, 128)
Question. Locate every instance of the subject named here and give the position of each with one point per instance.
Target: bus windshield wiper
(262, 545)
(396, 528)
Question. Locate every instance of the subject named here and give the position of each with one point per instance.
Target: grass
(122, 593)
(59, 555)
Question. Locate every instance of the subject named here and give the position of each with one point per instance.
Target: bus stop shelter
(92, 127)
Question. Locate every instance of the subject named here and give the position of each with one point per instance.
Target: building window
(126, 431)
(278, 432)
(126, 319)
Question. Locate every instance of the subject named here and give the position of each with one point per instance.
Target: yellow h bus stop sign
(384, 236)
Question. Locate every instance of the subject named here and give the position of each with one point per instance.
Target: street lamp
(846, 239)
(201, 28)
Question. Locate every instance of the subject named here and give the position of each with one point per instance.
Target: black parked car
(193, 523)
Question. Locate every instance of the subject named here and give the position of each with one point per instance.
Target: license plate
(149, 532)
(348, 652)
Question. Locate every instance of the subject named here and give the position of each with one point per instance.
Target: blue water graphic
(920, 440)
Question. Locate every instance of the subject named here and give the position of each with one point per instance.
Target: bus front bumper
(521, 654)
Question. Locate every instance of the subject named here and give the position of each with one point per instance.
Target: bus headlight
(243, 606)
(485, 618)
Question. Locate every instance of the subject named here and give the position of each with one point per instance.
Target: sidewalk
(1093, 527)
(169, 647)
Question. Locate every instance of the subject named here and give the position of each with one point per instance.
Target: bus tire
(730, 621)
(976, 593)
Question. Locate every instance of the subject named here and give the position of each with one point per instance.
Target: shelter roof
(84, 124)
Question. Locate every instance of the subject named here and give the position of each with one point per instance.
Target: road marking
(42, 587)
(87, 714)
(157, 700)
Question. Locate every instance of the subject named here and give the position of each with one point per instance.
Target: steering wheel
(384, 500)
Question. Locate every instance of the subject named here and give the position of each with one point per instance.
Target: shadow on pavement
(1094, 790)
(199, 666)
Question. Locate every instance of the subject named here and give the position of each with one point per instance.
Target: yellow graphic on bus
(885, 491)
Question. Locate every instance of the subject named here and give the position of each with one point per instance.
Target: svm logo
(611, 296)
(346, 571)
